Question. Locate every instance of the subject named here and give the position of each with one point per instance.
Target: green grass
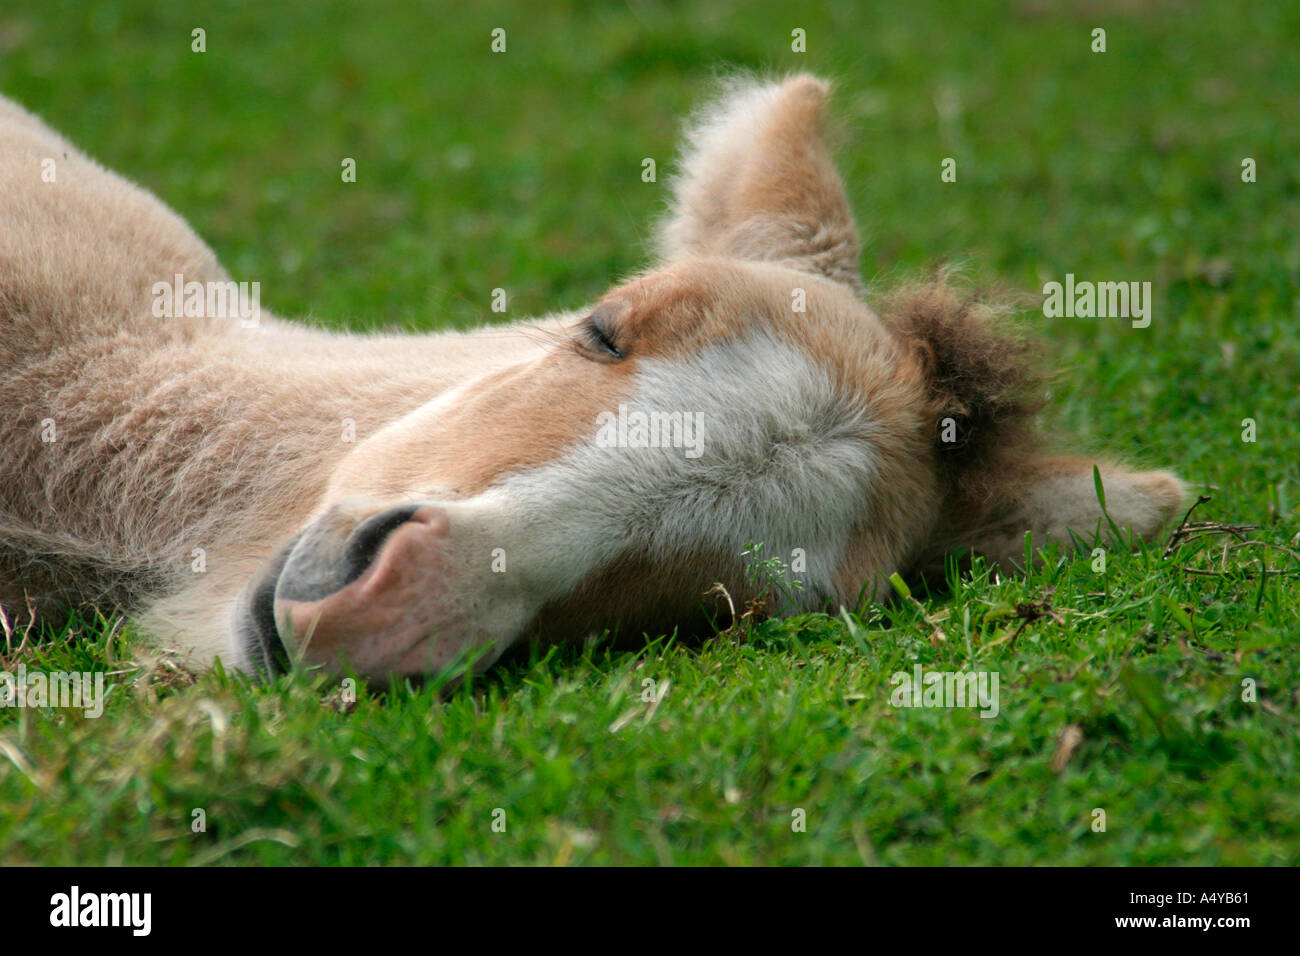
(522, 171)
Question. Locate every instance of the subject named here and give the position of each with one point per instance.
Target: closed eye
(598, 338)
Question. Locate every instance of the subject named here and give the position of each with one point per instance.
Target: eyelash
(599, 339)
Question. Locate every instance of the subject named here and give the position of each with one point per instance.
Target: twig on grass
(1030, 611)
(1204, 532)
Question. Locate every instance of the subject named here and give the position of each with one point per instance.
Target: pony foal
(198, 471)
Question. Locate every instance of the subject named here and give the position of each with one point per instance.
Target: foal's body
(168, 434)
(394, 501)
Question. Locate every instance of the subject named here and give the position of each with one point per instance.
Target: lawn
(1164, 698)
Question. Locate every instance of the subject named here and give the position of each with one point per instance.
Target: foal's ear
(1053, 497)
(757, 183)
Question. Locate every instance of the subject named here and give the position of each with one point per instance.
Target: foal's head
(739, 393)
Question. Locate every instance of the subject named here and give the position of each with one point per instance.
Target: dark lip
(257, 631)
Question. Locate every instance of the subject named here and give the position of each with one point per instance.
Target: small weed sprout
(770, 576)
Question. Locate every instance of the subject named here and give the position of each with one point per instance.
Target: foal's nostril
(324, 561)
(366, 540)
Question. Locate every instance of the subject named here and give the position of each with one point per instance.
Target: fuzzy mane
(983, 372)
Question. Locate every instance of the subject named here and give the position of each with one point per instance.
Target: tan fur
(182, 434)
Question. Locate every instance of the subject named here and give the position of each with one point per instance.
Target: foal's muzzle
(361, 586)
